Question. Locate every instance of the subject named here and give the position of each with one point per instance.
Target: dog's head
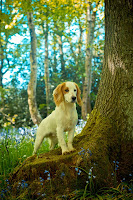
(68, 92)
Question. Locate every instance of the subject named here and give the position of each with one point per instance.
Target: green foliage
(65, 18)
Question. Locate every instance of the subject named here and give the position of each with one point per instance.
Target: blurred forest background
(62, 40)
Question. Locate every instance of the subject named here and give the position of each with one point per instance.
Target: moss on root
(53, 174)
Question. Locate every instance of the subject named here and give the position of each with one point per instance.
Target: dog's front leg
(70, 140)
(61, 140)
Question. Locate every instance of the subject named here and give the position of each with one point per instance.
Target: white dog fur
(63, 118)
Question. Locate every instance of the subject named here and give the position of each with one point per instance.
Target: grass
(17, 144)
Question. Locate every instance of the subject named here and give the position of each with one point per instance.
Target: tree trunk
(1, 74)
(61, 56)
(35, 115)
(1, 62)
(55, 55)
(115, 95)
(62, 61)
(109, 130)
(111, 121)
(46, 76)
(46, 68)
(79, 43)
(90, 21)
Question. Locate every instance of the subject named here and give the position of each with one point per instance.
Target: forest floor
(17, 144)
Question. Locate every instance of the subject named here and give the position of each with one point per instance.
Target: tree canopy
(66, 52)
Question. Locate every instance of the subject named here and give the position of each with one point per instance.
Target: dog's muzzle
(73, 99)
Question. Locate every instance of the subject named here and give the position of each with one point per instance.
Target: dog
(63, 118)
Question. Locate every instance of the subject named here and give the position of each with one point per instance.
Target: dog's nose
(73, 98)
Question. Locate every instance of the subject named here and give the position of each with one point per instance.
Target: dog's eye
(66, 90)
(75, 90)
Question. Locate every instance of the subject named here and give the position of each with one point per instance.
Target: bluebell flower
(82, 152)
(64, 196)
(24, 185)
(116, 167)
(18, 184)
(2, 196)
(48, 178)
(89, 151)
(41, 179)
(4, 191)
(87, 181)
(62, 174)
(79, 172)
(76, 169)
(8, 187)
(46, 171)
(43, 195)
(89, 177)
(130, 190)
(48, 174)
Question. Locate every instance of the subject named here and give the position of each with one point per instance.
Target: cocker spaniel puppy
(63, 118)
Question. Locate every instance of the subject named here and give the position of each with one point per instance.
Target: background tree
(90, 28)
(46, 60)
(35, 115)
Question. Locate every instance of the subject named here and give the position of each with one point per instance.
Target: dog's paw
(72, 150)
(65, 152)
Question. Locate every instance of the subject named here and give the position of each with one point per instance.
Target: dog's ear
(58, 94)
(79, 101)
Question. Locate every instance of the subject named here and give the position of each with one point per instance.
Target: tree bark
(46, 76)
(62, 61)
(35, 115)
(90, 21)
(113, 114)
(46, 68)
(61, 56)
(55, 55)
(79, 43)
(109, 130)
(115, 95)
(1, 74)
(1, 62)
